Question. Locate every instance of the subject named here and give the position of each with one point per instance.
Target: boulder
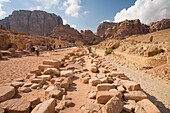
(121, 88)
(93, 107)
(67, 103)
(66, 73)
(92, 94)
(17, 84)
(148, 106)
(65, 83)
(45, 107)
(131, 85)
(85, 80)
(24, 90)
(135, 95)
(55, 63)
(44, 77)
(114, 105)
(105, 96)
(50, 88)
(19, 80)
(37, 72)
(34, 101)
(35, 86)
(105, 87)
(38, 80)
(94, 69)
(129, 106)
(55, 93)
(27, 84)
(115, 74)
(51, 71)
(139, 109)
(6, 92)
(94, 82)
(58, 79)
(43, 67)
(16, 106)
(11, 49)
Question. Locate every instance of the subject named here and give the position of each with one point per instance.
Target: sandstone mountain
(130, 27)
(160, 25)
(33, 22)
(103, 27)
(71, 35)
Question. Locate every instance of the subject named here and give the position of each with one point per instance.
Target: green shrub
(109, 51)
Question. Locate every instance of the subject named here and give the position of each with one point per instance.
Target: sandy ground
(158, 92)
(19, 67)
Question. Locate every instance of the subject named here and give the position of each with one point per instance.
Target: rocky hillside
(70, 34)
(130, 27)
(33, 22)
(15, 39)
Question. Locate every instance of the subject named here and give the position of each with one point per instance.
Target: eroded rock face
(103, 27)
(160, 25)
(34, 22)
(127, 28)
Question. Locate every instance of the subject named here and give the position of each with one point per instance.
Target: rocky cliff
(103, 27)
(33, 22)
(160, 25)
(130, 27)
(126, 28)
(70, 34)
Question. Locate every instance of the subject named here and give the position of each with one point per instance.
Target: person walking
(37, 50)
(54, 46)
(47, 47)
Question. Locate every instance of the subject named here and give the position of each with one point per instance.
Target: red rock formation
(70, 34)
(34, 22)
(127, 28)
(103, 27)
(130, 27)
(160, 25)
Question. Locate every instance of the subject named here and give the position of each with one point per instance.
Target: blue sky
(88, 14)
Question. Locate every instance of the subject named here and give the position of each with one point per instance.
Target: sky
(88, 14)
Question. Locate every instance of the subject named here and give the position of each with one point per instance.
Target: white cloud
(64, 21)
(48, 4)
(145, 10)
(2, 13)
(72, 7)
(73, 26)
(86, 12)
(36, 8)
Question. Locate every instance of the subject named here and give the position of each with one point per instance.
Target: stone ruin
(114, 93)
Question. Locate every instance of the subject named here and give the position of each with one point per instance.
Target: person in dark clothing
(54, 46)
(60, 46)
(47, 47)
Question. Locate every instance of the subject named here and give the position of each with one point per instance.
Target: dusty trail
(157, 91)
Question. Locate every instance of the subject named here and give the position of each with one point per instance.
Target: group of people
(34, 49)
(49, 47)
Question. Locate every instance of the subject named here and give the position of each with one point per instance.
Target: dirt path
(19, 67)
(157, 91)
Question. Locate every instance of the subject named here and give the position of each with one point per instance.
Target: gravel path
(157, 91)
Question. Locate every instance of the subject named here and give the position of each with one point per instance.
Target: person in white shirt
(37, 50)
